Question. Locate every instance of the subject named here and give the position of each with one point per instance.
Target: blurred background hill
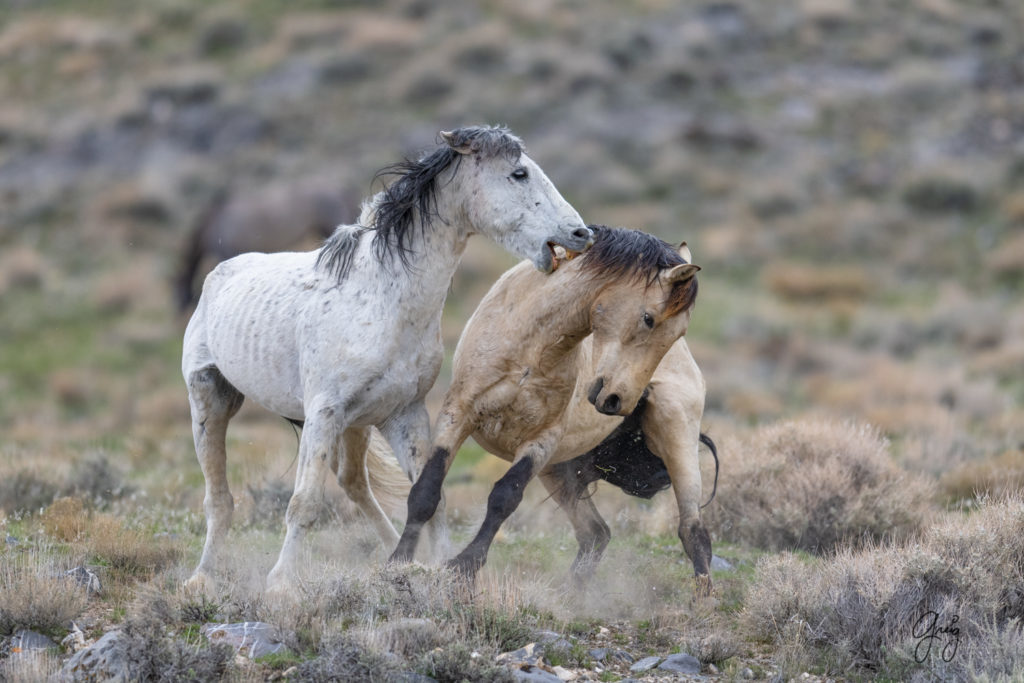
(849, 174)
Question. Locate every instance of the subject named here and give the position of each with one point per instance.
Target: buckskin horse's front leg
(425, 495)
(531, 458)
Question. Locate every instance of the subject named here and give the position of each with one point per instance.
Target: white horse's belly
(291, 342)
(250, 327)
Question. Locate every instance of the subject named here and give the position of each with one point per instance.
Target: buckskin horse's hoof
(702, 586)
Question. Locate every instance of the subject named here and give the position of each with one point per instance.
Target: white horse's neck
(417, 289)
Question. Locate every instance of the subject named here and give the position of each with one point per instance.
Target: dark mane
(408, 206)
(623, 253)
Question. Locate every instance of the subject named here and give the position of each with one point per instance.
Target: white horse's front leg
(319, 447)
(408, 433)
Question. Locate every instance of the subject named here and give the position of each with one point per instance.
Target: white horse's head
(506, 196)
(479, 179)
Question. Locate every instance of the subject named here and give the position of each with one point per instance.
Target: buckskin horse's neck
(562, 307)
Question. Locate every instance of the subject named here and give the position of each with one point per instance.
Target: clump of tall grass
(810, 485)
(949, 606)
(126, 552)
(35, 594)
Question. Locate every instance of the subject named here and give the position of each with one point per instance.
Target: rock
(104, 660)
(623, 656)
(563, 673)
(598, 653)
(25, 641)
(251, 638)
(681, 664)
(747, 674)
(530, 655)
(548, 641)
(645, 664)
(534, 674)
(75, 640)
(12, 540)
(86, 579)
(713, 670)
(721, 564)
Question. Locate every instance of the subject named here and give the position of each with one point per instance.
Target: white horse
(348, 337)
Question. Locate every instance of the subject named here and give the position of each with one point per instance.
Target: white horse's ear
(680, 273)
(684, 251)
(449, 137)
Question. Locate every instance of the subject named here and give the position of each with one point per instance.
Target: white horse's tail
(388, 482)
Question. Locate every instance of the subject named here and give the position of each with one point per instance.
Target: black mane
(623, 253)
(409, 205)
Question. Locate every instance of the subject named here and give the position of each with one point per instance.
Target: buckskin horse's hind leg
(672, 427)
(592, 533)
(213, 402)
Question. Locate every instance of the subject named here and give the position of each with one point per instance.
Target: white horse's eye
(520, 174)
(649, 320)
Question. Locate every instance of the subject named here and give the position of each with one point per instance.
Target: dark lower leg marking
(424, 498)
(697, 544)
(504, 499)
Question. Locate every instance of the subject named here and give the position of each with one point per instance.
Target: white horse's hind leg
(213, 402)
(354, 479)
(319, 449)
(408, 433)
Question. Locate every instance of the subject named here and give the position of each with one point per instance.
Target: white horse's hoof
(199, 583)
(280, 588)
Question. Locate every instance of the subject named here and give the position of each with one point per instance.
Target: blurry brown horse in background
(539, 355)
(273, 218)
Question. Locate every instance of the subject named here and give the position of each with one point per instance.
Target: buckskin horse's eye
(649, 320)
(520, 174)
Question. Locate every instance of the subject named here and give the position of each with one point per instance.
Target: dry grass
(126, 553)
(35, 594)
(857, 612)
(993, 477)
(129, 552)
(817, 284)
(65, 519)
(812, 485)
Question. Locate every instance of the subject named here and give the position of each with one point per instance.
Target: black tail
(624, 460)
(706, 440)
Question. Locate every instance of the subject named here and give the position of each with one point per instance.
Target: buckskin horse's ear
(684, 251)
(449, 137)
(681, 273)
